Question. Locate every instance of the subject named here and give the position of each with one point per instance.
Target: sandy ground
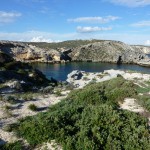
(21, 110)
(49, 146)
(132, 105)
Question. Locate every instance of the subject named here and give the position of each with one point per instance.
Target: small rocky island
(103, 110)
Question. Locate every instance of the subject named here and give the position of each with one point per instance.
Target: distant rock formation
(30, 53)
(110, 51)
(95, 51)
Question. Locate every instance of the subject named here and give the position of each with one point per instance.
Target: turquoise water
(60, 71)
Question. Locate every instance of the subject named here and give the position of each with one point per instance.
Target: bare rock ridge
(99, 51)
(110, 51)
(30, 53)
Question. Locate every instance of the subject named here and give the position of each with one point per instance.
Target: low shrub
(8, 128)
(27, 96)
(144, 101)
(58, 93)
(32, 107)
(10, 99)
(86, 78)
(12, 146)
(7, 107)
(89, 118)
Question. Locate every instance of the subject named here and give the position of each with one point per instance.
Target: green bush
(144, 100)
(10, 99)
(22, 72)
(12, 146)
(8, 128)
(89, 119)
(58, 93)
(11, 65)
(7, 107)
(27, 96)
(32, 107)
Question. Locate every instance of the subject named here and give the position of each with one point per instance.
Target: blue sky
(59, 20)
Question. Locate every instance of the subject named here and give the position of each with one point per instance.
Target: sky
(60, 20)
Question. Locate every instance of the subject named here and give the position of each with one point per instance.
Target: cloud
(147, 42)
(130, 38)
(94, 19)
(8, 17)
(29, 36)
(42, 39)
(130, 3)
(91, 29)
(141, 24)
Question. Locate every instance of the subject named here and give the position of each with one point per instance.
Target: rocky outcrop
(88, 77)
(144, 49)
(99, 51)
(75, 75)
(109, 51)
(30, 53)
(17, 76)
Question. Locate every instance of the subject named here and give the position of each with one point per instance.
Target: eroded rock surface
(30, 53)
(98, 51)
(110, 51)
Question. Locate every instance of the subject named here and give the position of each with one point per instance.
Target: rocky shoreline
(81, 78)
(99, 51)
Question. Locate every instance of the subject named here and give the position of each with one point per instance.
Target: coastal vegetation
(90, 118)
(33, 107)
(66, 44)
(13, 146)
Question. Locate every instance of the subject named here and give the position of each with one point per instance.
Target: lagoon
(60, 71)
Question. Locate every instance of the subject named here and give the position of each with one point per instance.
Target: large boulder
(74, 75)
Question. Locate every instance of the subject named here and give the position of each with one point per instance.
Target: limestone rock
(30, 53)
(97, 51)
(109, 51)
(14, 85)
(74, 75)
(144, 49)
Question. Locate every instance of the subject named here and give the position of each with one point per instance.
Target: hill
(77, 50)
